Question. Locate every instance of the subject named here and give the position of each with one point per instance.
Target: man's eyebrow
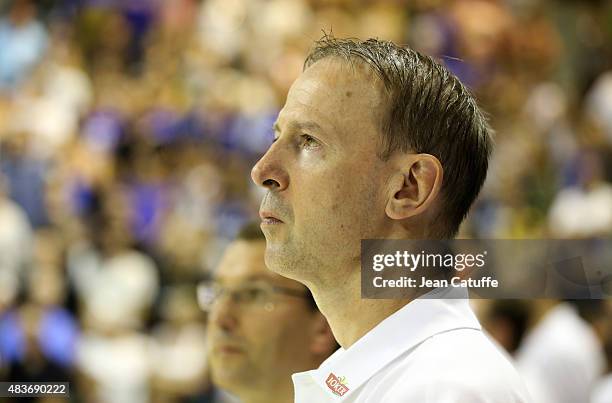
(248, 279)
(257, 277)
(306, 125)
(309, 125)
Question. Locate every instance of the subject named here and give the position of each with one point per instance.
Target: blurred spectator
(584, 210)
(22, 43)
(15, 246)
(178, 349)
(602, 392)
(38, 338)
(115, 365)
(58, 95)
(128, 278)
(506, 321)
(562, 358)
(25, 174)
(116, 286)
(599, 103)
(28, 335)
(266, 329)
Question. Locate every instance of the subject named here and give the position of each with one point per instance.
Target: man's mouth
(227, 349)
(268, 218)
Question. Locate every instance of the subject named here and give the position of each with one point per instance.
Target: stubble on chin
(293, 263)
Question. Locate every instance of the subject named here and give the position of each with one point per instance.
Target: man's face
(253, 345)
(324, 178)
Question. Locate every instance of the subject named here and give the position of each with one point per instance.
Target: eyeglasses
(251, 295)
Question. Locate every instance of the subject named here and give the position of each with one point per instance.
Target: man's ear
(415, 186)
(323, 343)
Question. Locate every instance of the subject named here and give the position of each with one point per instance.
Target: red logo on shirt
(337, 385)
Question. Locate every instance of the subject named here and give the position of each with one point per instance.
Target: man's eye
(308, 141)
(252, 294)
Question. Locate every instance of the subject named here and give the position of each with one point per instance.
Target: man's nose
(224, 315)
(269, 171)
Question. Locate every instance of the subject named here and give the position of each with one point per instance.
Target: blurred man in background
(262, 327)
(23, 41)
(602, 391)
(563, 356)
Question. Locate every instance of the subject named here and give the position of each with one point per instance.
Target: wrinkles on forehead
(342, 98)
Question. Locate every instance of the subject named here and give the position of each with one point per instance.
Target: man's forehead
(242, 259)
(332, 88)
(330, 76)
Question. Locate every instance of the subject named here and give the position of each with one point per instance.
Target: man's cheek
(328, 201)
(259, 332)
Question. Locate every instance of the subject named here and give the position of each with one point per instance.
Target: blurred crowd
(128, 130)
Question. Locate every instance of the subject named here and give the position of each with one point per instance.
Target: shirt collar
(346, 370)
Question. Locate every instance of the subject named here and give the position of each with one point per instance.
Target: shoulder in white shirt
(430, 351)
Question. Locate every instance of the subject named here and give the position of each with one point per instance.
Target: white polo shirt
(429, 351)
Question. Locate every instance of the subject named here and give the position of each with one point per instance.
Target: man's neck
(349, 316)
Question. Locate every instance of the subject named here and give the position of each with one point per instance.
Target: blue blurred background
(128, 130)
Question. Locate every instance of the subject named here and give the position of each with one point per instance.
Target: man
(262, 327)
(568, 339)
(378, 141)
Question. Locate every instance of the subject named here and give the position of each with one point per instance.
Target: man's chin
(284, 259)
(284, 267)
(275, 255)
(230, 375)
